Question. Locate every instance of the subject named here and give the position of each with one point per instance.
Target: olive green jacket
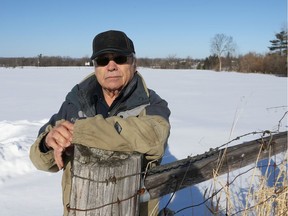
(138, 121)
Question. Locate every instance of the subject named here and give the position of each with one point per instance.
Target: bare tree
(221, 45)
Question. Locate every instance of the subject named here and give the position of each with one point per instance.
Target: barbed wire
(118, 201)
(111, 179)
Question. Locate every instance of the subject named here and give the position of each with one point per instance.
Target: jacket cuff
(43, 147)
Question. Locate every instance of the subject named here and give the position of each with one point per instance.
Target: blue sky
(158, 28)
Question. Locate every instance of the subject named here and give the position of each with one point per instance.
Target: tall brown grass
(260, 199)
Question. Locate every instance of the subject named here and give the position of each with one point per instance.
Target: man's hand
(59, 138)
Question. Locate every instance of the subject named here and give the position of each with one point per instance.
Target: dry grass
(272, 200)
(260, 199)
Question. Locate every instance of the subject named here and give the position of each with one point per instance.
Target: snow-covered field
(208, 109)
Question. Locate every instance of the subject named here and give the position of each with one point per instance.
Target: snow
(208, 109)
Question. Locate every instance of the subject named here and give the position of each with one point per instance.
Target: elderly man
(112, 109)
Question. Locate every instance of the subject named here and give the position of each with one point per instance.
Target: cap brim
(104, 51)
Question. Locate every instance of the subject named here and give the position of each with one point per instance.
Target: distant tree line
(43, 61)
(274, 62)
(249, 63)
(222, 58)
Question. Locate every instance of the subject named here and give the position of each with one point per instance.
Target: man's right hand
(59, 138)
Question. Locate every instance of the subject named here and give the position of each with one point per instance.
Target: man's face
(113, 72)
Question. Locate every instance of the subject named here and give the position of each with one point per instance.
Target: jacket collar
(133, 95)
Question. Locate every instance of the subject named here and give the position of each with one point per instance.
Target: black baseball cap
(112, 41)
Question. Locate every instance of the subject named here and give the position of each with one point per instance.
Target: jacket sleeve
(146, 134)
(42, 160)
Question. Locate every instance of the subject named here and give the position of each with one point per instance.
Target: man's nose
(111, 65)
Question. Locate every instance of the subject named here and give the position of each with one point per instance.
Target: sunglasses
(104, 60)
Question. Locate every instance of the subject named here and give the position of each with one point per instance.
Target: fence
(108, 183)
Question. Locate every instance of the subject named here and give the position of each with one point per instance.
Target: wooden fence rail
(177, 175)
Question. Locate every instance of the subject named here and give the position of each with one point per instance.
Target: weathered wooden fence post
(104, 183)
